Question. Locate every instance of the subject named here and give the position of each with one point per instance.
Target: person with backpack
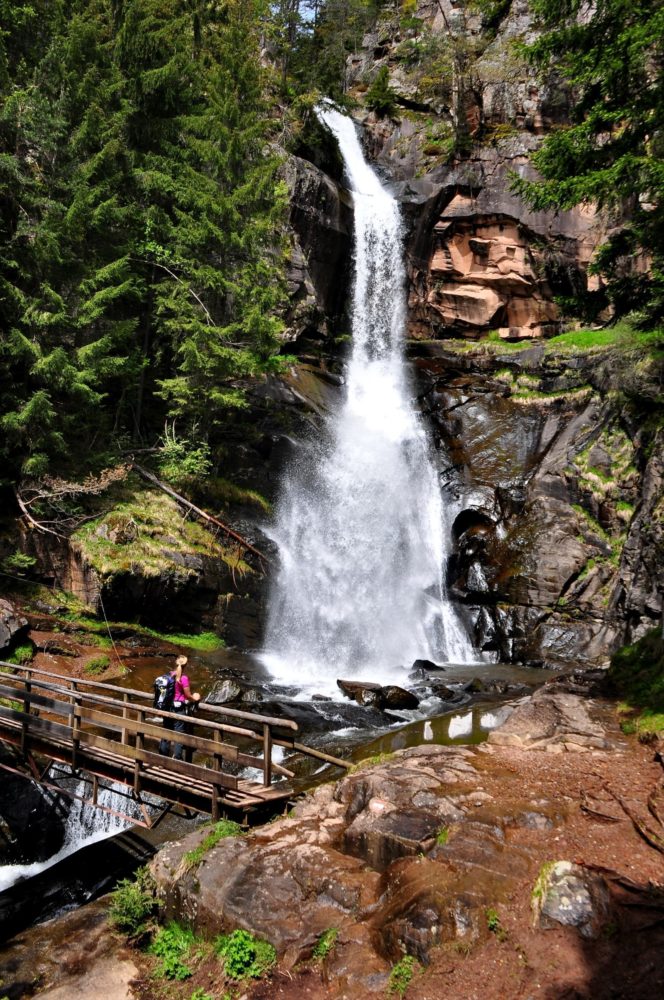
(173, 694)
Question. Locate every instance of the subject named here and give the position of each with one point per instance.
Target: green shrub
(401, 975)
(244, 955)
(326, 942)
(97, 665)
(18, 564)
(380, 96)
(172, 945)
(494, 924)
(21, 655)
(133, 903)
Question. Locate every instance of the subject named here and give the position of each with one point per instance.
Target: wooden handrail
(232, 713)
(99, 729)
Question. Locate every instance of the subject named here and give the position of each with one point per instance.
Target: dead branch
(35, 524)
(203, 514)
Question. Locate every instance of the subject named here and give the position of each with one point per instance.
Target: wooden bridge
(102, 731)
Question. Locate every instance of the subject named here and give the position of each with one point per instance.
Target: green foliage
(204, 642)
(141, 225)
(133, 904)
(401, 975)
(325, 944)
(442, 836)
(613, 57)
(380, 97)
(18, 564)
(181, 461)
(244, 955)
(21, 655)
(636, 674)
(224, 828)
(494, 925)
(97, 665)
(200, 994)
(172, 944)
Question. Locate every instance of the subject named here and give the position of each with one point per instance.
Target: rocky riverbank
(515, 863)
(529, 865)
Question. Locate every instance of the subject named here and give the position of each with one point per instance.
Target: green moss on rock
(146, 533)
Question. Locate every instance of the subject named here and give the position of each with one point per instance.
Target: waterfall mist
(361, 525)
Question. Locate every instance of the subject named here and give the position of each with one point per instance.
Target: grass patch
(204, 642)
(224, 828)
(443, 836)
(325, 944)
(587, 340)
(401, 975)
(97, 634)
(244, 956)
(225, 492)
(145, 533)
(636, 675)
(21, 655)
(97, 665)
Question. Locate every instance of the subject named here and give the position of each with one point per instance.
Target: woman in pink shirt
(183, 696)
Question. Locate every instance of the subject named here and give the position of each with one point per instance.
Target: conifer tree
(612, 154)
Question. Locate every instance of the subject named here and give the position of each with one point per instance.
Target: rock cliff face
(469, 113)
(551, 557)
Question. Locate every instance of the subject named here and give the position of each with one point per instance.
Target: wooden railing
(107, 729)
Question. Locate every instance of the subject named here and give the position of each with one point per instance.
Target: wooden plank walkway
(103, 731)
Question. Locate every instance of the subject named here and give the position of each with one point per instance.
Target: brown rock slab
(555, 722)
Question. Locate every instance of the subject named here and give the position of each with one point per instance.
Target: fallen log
(203, 514)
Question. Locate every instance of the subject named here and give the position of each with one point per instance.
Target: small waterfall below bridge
(83, 825)
(361, 526)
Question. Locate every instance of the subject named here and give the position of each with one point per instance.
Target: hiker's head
(181, 661)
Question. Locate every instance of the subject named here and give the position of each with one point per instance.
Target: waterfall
(84, 825)
(361, 526)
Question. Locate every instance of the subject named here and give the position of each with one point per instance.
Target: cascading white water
(361, 526)
(84, 825)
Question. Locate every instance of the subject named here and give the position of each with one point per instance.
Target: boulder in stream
(375, 696)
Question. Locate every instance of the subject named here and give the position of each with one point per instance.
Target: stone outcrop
(12, 623)
(480, 259)
(377, 696)
(317, 275)
(559, 505)
(551, 721)
(569, 895)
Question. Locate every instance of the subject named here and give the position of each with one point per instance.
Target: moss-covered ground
(146, 532)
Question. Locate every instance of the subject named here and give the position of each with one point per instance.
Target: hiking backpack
(164, 692)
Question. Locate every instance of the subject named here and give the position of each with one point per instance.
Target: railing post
(75, 729)
(216, 766)
(140, 712)
(26, 716)
(124, 737)
(267, 755)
